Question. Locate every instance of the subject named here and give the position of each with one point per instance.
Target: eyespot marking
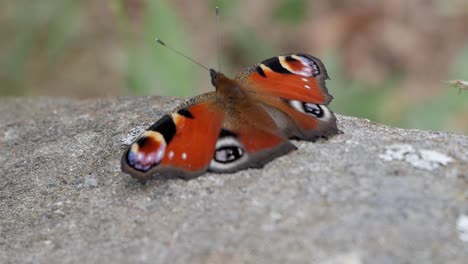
(147, 151)
(315, 110)
(298, 65)
(229, 152)
(310, 66)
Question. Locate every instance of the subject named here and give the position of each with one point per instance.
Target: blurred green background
(389, 60)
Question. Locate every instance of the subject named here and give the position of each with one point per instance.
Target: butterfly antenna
(218, 38)
(181, 54)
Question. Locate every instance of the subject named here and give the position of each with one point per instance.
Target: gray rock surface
(374, 194)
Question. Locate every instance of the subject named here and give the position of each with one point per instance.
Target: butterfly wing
(302, 120)
(205, 134)
(178, 145)
(250, 138)
(294, 85)
(298, 77)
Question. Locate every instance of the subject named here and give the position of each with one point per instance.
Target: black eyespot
(313, 109)
(166, 127)
(228, 154)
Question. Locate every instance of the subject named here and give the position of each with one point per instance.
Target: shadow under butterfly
(245, 123)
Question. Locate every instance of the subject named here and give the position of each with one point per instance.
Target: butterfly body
(245, 123)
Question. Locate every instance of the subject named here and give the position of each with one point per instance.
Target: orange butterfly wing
(298, 77)
(178, 145)
(295, 85)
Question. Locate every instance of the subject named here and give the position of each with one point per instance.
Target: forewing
(178, 145)
(298, 77)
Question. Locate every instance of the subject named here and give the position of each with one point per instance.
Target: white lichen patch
(435, 156)
(132, 135)
(421, 159)
(462, 227)
(397, 152)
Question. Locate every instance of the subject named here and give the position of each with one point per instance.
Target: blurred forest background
(389, 60)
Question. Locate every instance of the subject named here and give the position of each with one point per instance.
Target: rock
(356, 198)
(90, 182)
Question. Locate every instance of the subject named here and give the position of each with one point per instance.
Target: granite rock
(374, 194)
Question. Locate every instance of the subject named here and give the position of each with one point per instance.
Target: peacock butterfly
(245, 123)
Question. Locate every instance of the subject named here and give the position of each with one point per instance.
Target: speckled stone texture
(63, 198)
